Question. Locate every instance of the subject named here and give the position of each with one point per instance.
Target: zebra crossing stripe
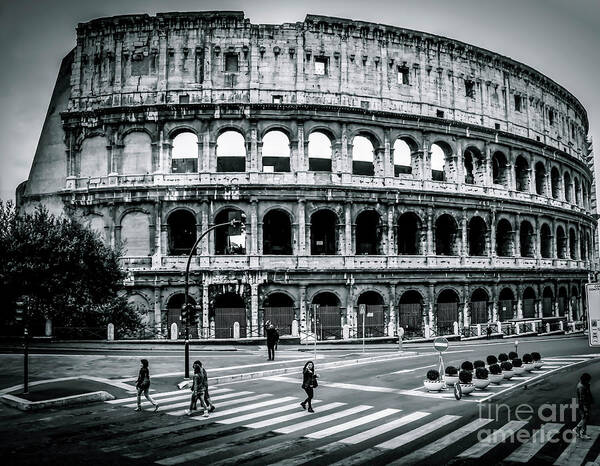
(250, 407)
(437, 446)
(225, 396)
(493, 440)
(134, 398)
(268, 412)
(182, 396)
(322, 419)
(289, 417)
(261, 452)
(382, 429)
(225, 403)
(529, 449)
(577, 450)
(351, 424)
(418, 432)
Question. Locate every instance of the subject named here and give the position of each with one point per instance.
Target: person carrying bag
(309, 383)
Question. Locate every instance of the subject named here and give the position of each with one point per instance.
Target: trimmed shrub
(491, 359)
(517, 362)
(451, 370)
(502, 357)
(495, 369)
(527, 359)
(536, 356)
(479, 363)
(512, 355)
(481, 373)
(467, 366)
(506, 366)
(433, 375)
(465, 377)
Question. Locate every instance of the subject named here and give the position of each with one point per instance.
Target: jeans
(311, 393)
(199, 395)
(144, 390)
(271, 352)
(584, 412)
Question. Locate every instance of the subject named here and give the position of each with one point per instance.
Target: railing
(145, 333)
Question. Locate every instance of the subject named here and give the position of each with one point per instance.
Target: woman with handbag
(309, 382)
(143, 385)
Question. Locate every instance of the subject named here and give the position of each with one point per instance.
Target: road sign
(457, 391)
(362, 308)
(369, 314)
(593, 314)
(440, 344)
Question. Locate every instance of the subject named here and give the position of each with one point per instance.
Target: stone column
(205, 320)
(252, 156)
(391, 249)
(255, 246)
(303, 322)
(430, 243)
(430, 307)
(157, 310)
(301, 215)
(388, 163)
(466, 309)
(254, 305)
(204, 222)
(495, 303)
(302, 158)
(493, 234)
(464, 250)
(517, 237)
(348, 230)
(344, 164)
(519, 301)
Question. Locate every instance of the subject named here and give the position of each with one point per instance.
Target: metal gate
(374, 321)
(447, 314)
(410, 319)
(506, 310)
(528, 308)
(547, 307)
(281, 318)
(225, 317)
(479, 312)
(329, 325)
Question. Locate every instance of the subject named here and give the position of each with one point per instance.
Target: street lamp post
(232, 223)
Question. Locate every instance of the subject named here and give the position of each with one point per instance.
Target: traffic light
(238, 223)
(20, 311)
(188, 315)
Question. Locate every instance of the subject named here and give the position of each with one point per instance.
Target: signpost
(315, 309)
(362, 309)
(400, 336)
(21, 316)
(593, 304)
(440, 344)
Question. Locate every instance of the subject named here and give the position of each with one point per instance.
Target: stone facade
(503, 231)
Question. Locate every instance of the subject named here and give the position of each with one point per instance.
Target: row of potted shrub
(510, 365)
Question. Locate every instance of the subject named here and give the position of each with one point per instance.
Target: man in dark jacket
(272, 339)
(584, 401)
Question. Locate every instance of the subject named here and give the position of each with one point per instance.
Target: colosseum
(441, 185)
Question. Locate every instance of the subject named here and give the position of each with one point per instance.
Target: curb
(26, 405)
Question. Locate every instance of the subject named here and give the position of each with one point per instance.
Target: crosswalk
(249, 426)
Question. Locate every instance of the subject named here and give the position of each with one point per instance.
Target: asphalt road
(372, 413)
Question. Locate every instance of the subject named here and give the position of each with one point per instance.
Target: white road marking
(577, 450)
(171, 406)
(418, 432)
(263, 413)
(225, 403)
(250, 407)
(182, 396)
(321, 419)
(404, 371)
(351, 424)
(529, 449)
(289, 417)
(435, 447)
(382, 429)
(492, 440)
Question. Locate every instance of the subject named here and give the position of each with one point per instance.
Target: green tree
(63, 269)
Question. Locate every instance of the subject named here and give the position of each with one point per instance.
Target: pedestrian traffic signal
(20, 311)
(188, 315)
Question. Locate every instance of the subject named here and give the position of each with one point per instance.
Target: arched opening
(575, 303)
(479, 306)
(561, 243)
(329, 317)
(275, 152)
(504, 239)
(446, 237)
(473, 161)
(582, 247)
(135, 234)
(231, 152)
(546, 241)
(540, 178)
(323, 233)
(577, 187)
(368, 233)
(527, 239)
(184, 156)
(363, 156)
(499, 169)
(319, 152)
(447, 312)
(439, 154)
(529, 303)
(521, 174)
(174, 307)
(584, 198)
(572, 244)
(567, 185)
(506, 305)
(563, 301)
(181, 231)
(402, 158)
(93, 157)
(277, 233)
(409, 234)
(230, 240)
(228, 308)
(374, 317)
(476, 234)
(547, 302)
(279, 310)
(410, 311)
(555, 182)
(137, 154)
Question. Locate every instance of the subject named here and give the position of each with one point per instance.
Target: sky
(560, 38)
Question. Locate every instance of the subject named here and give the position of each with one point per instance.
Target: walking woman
(143, 385)
(309, 382)
(199, 385)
